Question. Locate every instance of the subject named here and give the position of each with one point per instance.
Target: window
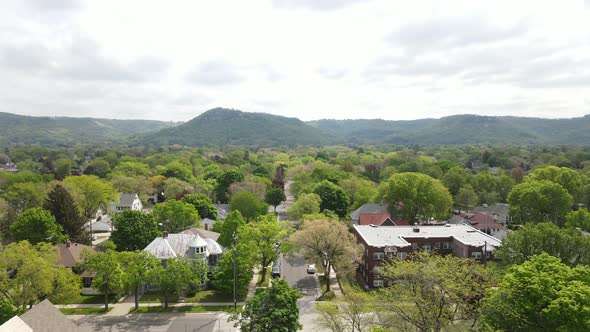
(402, 255)
(436, 245)
(377, 270)
(476, 254)
(426, 247)
(447, 245)
(414, 246)
(87, 282)
(377, 283)
(378, 255)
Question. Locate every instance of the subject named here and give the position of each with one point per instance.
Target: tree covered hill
(20, 129)
(221, 127)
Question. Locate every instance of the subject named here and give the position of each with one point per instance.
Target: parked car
(311, 268)
(275, 272)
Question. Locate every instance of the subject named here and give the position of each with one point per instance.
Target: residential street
(293, 269)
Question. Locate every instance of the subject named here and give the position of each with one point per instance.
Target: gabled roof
(69, 254)
(369, 208)
(202, 233)
(373, 219)
(498, 209)
(46, 317)
(15, 324)
(222, 211)
(127, 199)
(177, 245)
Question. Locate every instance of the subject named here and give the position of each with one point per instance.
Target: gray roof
(222, 211)
(15, 324)
(369, 208)
(202, 233)
(177, 245)
(127, 199)
(376, 236)
(498, 208)
(46, 317)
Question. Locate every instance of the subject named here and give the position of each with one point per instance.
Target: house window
(426, 247)
(377, 270)
(436, 245)
(378, 255)
(402, 255)
(414, 246)
(377, 283)
(476, 254)
(447, 245)
(87, 282)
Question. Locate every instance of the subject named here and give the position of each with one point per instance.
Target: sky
(310, 59)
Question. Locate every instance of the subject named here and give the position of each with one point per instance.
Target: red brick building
(384, 242)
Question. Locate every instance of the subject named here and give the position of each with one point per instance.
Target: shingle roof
(498, 208)
(46, 317)
(222, 211)
(177, 245)
(202, 233)
(396, 235)
(127, 199)
(69, 256)
(369, 208)
(15, 324)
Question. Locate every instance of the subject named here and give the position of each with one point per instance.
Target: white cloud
(305, 59)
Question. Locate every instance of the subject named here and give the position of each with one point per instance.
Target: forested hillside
(51, 131)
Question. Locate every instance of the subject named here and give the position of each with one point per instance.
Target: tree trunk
(327, 276)
(263, 274)
(106, 300)
(165, 301)
(136, 297)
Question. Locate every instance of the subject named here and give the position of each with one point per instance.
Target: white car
(311, 268)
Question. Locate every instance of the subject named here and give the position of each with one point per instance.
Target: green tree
(455, 179)
(262, 237)
(569, 245)
(134, 230)
(417, 196)
(7, 310)
(430, 292)
(351, 313)
(224, 271)
(25, 195)
(466, 198)
(328, 243)
(62, 168)
(179, 170)
(536, 201)
(89, 192)
(224, 180)
(172, 278)
(61, 205)
(568, 178)
(229, 228)
(131, 168)
(248, 204)
(578, 219)
(110, 277)
(274, 309)
(541, 294)
(98, 167)
(274, 196)
(175, 216)
(138, 266)
(332, 198)
(203, 205)
(304, 205)
(37, 225)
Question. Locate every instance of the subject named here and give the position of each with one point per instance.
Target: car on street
(276, 269)
(311, 268)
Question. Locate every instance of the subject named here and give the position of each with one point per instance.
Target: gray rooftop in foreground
(382, 236)
(46, 317)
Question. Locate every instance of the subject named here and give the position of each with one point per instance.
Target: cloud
(215, 73)
(323, 5)
(58, 5)
(333, 73)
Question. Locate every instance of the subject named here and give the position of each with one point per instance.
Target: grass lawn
(326, 295)
(266, 282)
(160, 309)
(211, 295)
(83, 311)
(92, 299)
(155, 298)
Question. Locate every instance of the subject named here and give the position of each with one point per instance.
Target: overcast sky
(311, 59)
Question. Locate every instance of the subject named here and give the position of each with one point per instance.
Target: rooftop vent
(416, 230)
(372, 225)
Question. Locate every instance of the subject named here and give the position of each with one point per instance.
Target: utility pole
(235, 275)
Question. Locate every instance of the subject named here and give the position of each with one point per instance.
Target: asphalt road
(294, 270)
(161, 322)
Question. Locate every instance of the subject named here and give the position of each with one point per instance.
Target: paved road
(161, 322)
(294, 270)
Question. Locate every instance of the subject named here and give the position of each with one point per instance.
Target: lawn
(211, 295)
(266, 283)
(83, 311)
(160, 309)
(92, 299)
(149, 297)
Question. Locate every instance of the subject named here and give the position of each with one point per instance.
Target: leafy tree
(61, 205)
(89, 192)
(176, 189)
(274, 309)
(417, 196)
(134, 230)
(332, 198)
(131, 168)
(7, 310)
(569, 245)
(29, 273)
(466, 198)
(568, 178)
(176, 216)
(110, 277)
(261, 237)
(37, 225)
(98, 167)
(25, 195)
(179, 170)
(229, 228)
(62, 168)
(137, 266)
(578, 219)
(224, 271)
(274, 196)
(352, 313)
(535, 201)
(203, 205)
(305, 204)
(455, 179)
(224, 180)
(248, 204)
(172, 278)
(328, 243)
(541, 294)
(430, 292)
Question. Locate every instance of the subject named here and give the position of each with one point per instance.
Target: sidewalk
(334, 285)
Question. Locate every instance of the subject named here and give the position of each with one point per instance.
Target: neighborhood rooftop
(395, 235)
(177, 245)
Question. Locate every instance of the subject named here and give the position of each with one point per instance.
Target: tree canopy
(248, 204)
(134, 230)
(61, 205)
(537, 201)
(37, 225)
(176, 216)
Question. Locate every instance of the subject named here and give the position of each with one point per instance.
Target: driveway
(294, 270)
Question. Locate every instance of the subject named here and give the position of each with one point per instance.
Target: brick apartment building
(383, 242)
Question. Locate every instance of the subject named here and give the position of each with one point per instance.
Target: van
(276, 269)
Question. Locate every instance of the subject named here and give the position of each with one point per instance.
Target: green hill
(20, 129)
(221, 127)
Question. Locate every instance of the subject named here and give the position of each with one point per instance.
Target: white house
(128, 201)
(186, 245)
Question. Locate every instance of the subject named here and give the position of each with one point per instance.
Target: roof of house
(101, 226)
(373, 219)
(376, 236)
(498, 209)
(369, 208)
(127, 199)
(476, 219)
(177, 245)
(222, 211)
(46, 317)
(69, 253)
(206, 234)
(15, 324)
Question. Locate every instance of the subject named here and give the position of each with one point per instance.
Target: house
(128, 201)
(222, 211)
(43, 317)
(382, 243)
(188, 245)
(500, 211)
(70, 257)
(369, 214)
(205, 234)
(481, 221)
(207, 223)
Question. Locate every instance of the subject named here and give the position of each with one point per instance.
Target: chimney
(416, 229)
(164, 234)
